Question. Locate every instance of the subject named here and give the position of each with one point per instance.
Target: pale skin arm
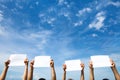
(82, 71)
(64, 73)
(53, 74)
(4, 73)
(115, 72)
(91, 71)
(30, 74)
(26, 69)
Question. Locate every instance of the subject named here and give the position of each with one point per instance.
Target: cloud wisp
(98, 22)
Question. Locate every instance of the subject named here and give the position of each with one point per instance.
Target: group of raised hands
(28, 75)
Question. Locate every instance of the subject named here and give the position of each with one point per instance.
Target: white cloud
(41, 15)
(37, 3)
(40, 38)
(60, 2)
(51, 9)
(1, 16)
(47, 19)
(19, 6)
(94, 35)
(65, 12)
(3, 6)
(98, 21)
(51, 20)
(78, 23)
(3, 31)
(83, 11)
(42, 34)
(117, 4)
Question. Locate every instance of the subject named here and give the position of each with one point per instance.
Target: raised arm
(53, 74)
(115, 72)
(26, 69)
(30, 74)
(91, 71)
(64, 73)
(82, 71)
(4, 73)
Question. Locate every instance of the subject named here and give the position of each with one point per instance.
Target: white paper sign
(17, 59)
(73, 65)
(42, 61)
(101, 61)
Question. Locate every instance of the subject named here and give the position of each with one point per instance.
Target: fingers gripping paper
(17, 59)
(73, 65)
(101, 61)
(42, 61)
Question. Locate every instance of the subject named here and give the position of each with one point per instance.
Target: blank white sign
(73, 65)
(101, 61)
(42, 61)
(17, 59)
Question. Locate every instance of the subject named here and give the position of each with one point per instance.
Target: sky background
(62, 29)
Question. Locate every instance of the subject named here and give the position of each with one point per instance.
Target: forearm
(3, 75)
(53, 73)
(25, 73)
(30, 75)
(82, 75)
(91, 74)
(116, 74)
(64, 76)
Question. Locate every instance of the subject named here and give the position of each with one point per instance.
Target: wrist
(82, 71)
(113, 67)
(91, 68)
(26, 65)
(6, 67)
(64, 70)
(31, 67)
(52, 67)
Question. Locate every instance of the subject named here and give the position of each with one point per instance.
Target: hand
(82, 66)
(112, 63)
(7, 63)
(90, 65)
(64, 67)
(51, 63)
(26, 61)
(32, 63)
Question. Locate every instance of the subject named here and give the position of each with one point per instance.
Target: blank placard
(17, 59)
(101, 61)
(42, 61)
(73, 65)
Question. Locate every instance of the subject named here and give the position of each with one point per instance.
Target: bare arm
(53, 74)
(26, 69)
(64, 73)
(91, 71)
(4, 73)
(82, 71)
(30, 74)
(113, 67)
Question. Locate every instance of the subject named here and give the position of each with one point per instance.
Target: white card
(42, 61)
(73, 65)
(101, 61)
(17, 59)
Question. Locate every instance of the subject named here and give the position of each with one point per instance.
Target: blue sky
(62, 29)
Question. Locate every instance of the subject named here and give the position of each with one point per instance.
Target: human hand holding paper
(42, 61)
(100, 61)
(17, 59)
(73, 65)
